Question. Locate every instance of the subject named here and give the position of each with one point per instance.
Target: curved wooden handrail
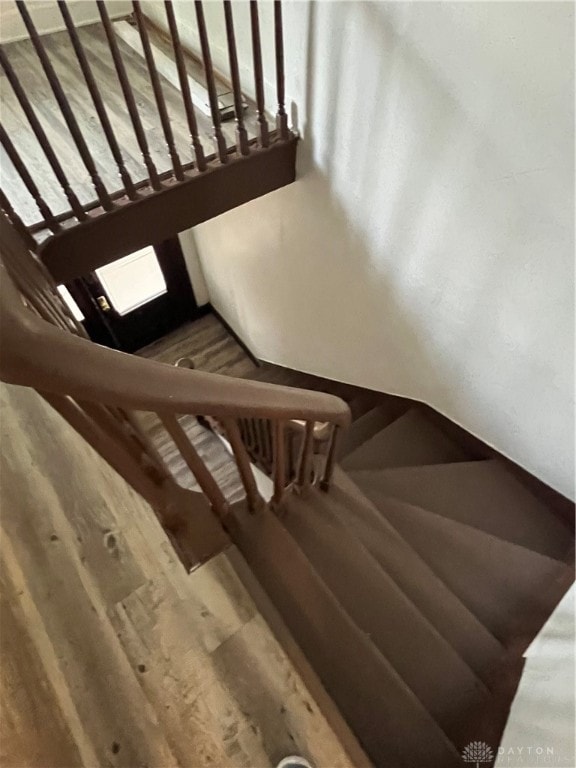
(37, 354)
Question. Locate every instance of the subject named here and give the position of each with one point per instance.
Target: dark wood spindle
(305, 459)
(157, 89)
(210, 83)
(253, 498)
(263, 134)
(241, 134)
(330, 460)
(63, 103)
(114, 453)
(279, 464)
(185, 87)
(17, 222)
(29, 182)
(202, 474)
(97, 99)
(281, 116)
(128, 95)
(40, 134)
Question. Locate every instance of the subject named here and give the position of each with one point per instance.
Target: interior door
(137, 299)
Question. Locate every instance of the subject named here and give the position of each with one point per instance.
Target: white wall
(194, 267)
(427, 247)
(47, 17)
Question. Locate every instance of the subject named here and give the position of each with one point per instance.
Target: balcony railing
(182, 168)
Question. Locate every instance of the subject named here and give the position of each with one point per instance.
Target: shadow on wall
(426, 248)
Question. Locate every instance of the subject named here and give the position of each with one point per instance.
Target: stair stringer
(455, 622)
(505, 585)
(327, 636)
(445, 685)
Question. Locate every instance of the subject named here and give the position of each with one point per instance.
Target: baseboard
(234, 335)
(559, 504)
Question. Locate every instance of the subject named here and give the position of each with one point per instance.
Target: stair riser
(428, 665)
(391, 723)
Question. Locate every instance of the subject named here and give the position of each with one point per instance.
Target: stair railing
(181, 168)
(101, 391)
(303, 441)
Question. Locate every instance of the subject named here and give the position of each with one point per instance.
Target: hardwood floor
(111, 654)
(25, 62)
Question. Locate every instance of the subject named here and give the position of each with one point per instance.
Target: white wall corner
(194, 267)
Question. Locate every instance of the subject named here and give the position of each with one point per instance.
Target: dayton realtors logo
(477, 752)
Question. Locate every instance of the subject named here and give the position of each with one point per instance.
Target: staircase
(411, 573)
(413, 586)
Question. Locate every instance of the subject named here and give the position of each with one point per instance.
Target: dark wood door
(137, 299)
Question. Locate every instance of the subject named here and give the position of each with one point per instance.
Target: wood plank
(137, 660)
(25, 62)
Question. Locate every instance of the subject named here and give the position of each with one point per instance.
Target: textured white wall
(427, 247)
(47, 17)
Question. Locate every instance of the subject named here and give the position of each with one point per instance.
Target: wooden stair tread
(369, 424)
(505, 585)
(425, 661)
(453, 620)
(482, 494)
(380, 708)
(410, 440)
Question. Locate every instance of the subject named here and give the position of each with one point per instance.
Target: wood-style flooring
(59, 48)
(111, 654)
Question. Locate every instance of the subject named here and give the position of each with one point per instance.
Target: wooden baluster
(128, 96)
(253, 497)
(197, 148)
(97, 99)
(250, 441)
(219, 140)
(253, 437)
(263, 135)
(111, 425)
(36, 283)
(158, 93)
(62, 100)
(40, 134)
(304, 470)
(36, 290)
(114, 453)
(279, 461)
(281, 116)
(36, 299)
(17, 222)
(203, 477)
(241, 134)
(330, 460)
(269, 443)
(264, 455)
(246, 432)
(136, 435)
(29, 182)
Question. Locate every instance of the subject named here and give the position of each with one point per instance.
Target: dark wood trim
(144, 324)
(559, 504)
(143, 186)
(232, 332)
(160, 215)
